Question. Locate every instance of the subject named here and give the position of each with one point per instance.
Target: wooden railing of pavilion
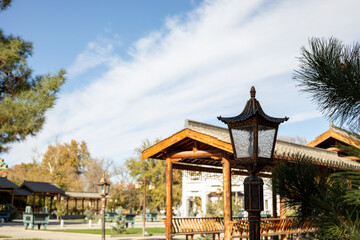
(207, 225)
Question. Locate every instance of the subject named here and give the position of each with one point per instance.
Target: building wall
(200, 184)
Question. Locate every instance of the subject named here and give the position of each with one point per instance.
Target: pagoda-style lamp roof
(251, 109)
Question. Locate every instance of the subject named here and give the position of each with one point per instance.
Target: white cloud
(197, 67)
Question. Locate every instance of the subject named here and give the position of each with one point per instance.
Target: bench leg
(26, 226)
(31, 225)
(39, 226)
(45, 226)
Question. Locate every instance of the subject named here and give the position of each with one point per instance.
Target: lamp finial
(252, 92)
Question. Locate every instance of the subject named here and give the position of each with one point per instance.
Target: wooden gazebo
(43, 190)
(91, 198)
(7, 189)
(207, 148)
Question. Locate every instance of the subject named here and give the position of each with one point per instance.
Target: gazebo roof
(83, 195)
(213, 141)
(6, 183)
(22, 192)
(42, 187)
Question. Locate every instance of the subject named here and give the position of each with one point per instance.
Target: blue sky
(138, 69)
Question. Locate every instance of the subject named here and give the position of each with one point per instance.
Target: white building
(208, 187)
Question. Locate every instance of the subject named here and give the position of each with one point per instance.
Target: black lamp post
(103, 189)
(253, 135)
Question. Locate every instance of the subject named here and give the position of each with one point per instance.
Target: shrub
(13, 211)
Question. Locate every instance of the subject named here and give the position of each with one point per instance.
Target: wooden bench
(194, 226)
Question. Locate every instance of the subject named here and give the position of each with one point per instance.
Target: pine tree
(24, 99)
(330, 72)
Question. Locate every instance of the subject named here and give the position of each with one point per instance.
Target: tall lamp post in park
(151, 187)
(253, 135)
(103, 188)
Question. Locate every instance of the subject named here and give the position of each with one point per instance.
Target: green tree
(330, 72)
(154, 171)
(4, 4)
(24, 99)
(64, 163)
(320, 197)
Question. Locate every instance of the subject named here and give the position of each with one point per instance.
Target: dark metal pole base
(254, 225)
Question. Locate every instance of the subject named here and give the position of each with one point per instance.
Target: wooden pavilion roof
(334, 139)
(200, 147)
(82, 195)
(6, 183)
(42, 187)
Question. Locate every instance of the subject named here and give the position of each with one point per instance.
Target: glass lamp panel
(101, 189)
(107, 188)
(266, 141)
(243, 138)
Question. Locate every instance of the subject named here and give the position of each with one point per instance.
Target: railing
(240, 228)
(270, 227)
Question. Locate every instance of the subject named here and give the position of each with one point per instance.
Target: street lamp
(103, 189)
(253, 135)
(151, 187)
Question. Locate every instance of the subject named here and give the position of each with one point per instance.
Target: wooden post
(282, 213)
(227, 197)
(274, 207)
(12, 197)
(51, 200)
(168, 199)
(67, 205)
(82, 206)
(75, 205)
(34, 203)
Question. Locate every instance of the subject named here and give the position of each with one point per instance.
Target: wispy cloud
(196, 66)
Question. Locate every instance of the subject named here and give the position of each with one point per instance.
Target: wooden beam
(186, 133)
(215, 170)
(197, 154)
(328, 134)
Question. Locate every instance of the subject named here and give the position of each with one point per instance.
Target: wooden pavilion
(207, 148)
(7, 189)
(91, 199)
(45, 190)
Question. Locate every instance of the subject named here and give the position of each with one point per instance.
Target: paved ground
(16, 231)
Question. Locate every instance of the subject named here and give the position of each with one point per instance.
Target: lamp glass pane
(243, 138)
(101, 189)
(107, 188)
(266, 141)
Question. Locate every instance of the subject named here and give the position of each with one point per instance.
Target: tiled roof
(43, 187)
(21, 192)
(282, 149)
(85, 195)
(6, 183)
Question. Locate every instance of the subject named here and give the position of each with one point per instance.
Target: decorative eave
(338, 134)
(252, 108)
(162, 148)
(218, 138)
